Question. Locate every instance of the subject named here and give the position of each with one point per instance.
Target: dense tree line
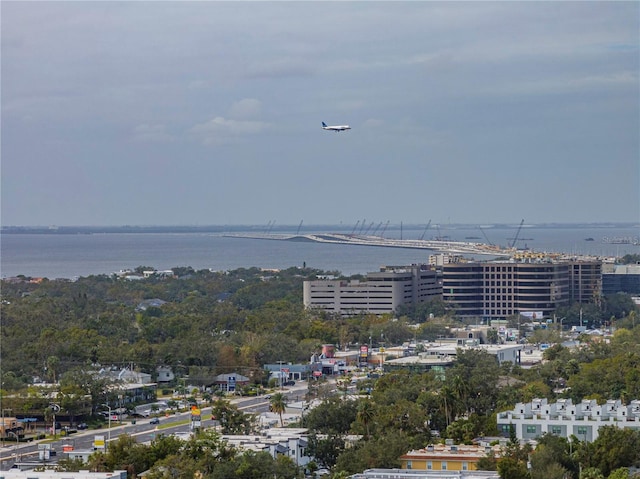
(213, 323)
(210, 323)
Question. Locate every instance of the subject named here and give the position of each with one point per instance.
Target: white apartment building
(565, 419)
(289, 442)
(382, 292)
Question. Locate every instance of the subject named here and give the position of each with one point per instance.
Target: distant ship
(472, 237)
(589, 239)
(621, 240)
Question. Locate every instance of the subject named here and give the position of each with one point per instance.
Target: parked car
(289, 383)
(82, 426)
(154, 420)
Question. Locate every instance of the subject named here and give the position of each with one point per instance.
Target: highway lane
(143, 430)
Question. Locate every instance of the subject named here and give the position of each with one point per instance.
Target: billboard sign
(533, 315)
(98, 442)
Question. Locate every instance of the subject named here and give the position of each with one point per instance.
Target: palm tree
(366, 413)
(448, 398)
(278, 404)
(460, 389)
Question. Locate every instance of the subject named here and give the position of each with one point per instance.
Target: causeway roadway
(443, 246)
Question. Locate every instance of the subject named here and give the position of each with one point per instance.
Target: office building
(382, 292)
(499, 289)
(486, 290)
(621, 278)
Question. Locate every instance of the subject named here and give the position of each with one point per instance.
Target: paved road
(27, 452)
(143, 431)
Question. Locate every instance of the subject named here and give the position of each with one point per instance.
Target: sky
(209, 113)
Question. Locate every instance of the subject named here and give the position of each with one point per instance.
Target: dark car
(82, 426)
(154, 420)
(290, 383)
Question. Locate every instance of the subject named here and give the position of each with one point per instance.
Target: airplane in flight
(336, 127)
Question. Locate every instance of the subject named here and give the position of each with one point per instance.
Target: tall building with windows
(621, 278)
(487, 290)
(382, 292)
(586, 281)
(499, 289)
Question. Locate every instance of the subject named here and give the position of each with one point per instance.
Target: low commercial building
(420, 363)
(410, 474)
(381, 293)
(439, 357)
(504, 353)
(447, 457)
(565, 419)
(229, 382)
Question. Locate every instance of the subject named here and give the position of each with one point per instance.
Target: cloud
(221, 130)
(245, 109)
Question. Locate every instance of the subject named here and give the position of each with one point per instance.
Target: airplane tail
(324, 125)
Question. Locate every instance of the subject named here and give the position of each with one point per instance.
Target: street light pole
(109, 433)
(280, 373)
(55, 408)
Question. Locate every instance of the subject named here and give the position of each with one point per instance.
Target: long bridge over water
(444, 246)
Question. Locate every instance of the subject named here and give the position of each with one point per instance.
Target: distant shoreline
(67, 230)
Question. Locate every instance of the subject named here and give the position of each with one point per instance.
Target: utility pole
(55, 408)
(280, 374)
(109, 434)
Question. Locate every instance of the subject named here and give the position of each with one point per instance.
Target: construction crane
(515, 238)
(269, 226)
(369, 228)
(364, 223)
(425, 230)
(384, 229)
(485, 236)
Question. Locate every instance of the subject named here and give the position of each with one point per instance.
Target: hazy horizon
(358, 224)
